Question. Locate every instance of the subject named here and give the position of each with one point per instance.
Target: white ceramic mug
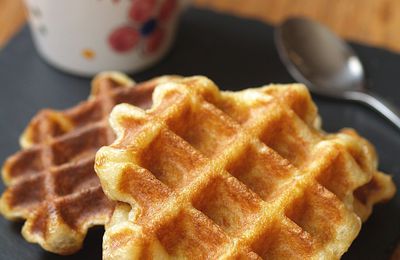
(85, 37)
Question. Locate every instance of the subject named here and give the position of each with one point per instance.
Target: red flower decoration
(124, 38)
(167, 9)
(146, 24)
(141, 10)
(155, 40)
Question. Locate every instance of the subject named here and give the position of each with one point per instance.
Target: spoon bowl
(329, 67)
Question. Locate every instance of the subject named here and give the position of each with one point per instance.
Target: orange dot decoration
(88, 54)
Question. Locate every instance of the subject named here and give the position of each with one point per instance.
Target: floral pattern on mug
(147, 19)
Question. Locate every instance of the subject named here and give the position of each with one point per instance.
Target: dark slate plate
(234, 52)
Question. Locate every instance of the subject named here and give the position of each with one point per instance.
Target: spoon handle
(381, 105)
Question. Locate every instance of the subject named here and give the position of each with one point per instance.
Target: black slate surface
(235, 53)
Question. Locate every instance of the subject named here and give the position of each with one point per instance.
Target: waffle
(208, 174)
(51, 181)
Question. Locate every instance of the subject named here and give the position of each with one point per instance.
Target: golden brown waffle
(210, 174)
(51, 182)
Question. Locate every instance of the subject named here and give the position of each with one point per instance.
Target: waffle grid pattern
(51, 182)
(212, 174)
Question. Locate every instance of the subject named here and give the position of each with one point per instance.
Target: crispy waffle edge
(60, 237)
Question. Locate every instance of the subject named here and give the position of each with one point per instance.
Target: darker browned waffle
(51, 181)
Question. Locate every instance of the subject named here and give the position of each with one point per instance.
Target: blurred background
(373, 22)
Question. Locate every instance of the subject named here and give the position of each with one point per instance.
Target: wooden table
(374, 22)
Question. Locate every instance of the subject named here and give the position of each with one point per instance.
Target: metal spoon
(326, 64)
